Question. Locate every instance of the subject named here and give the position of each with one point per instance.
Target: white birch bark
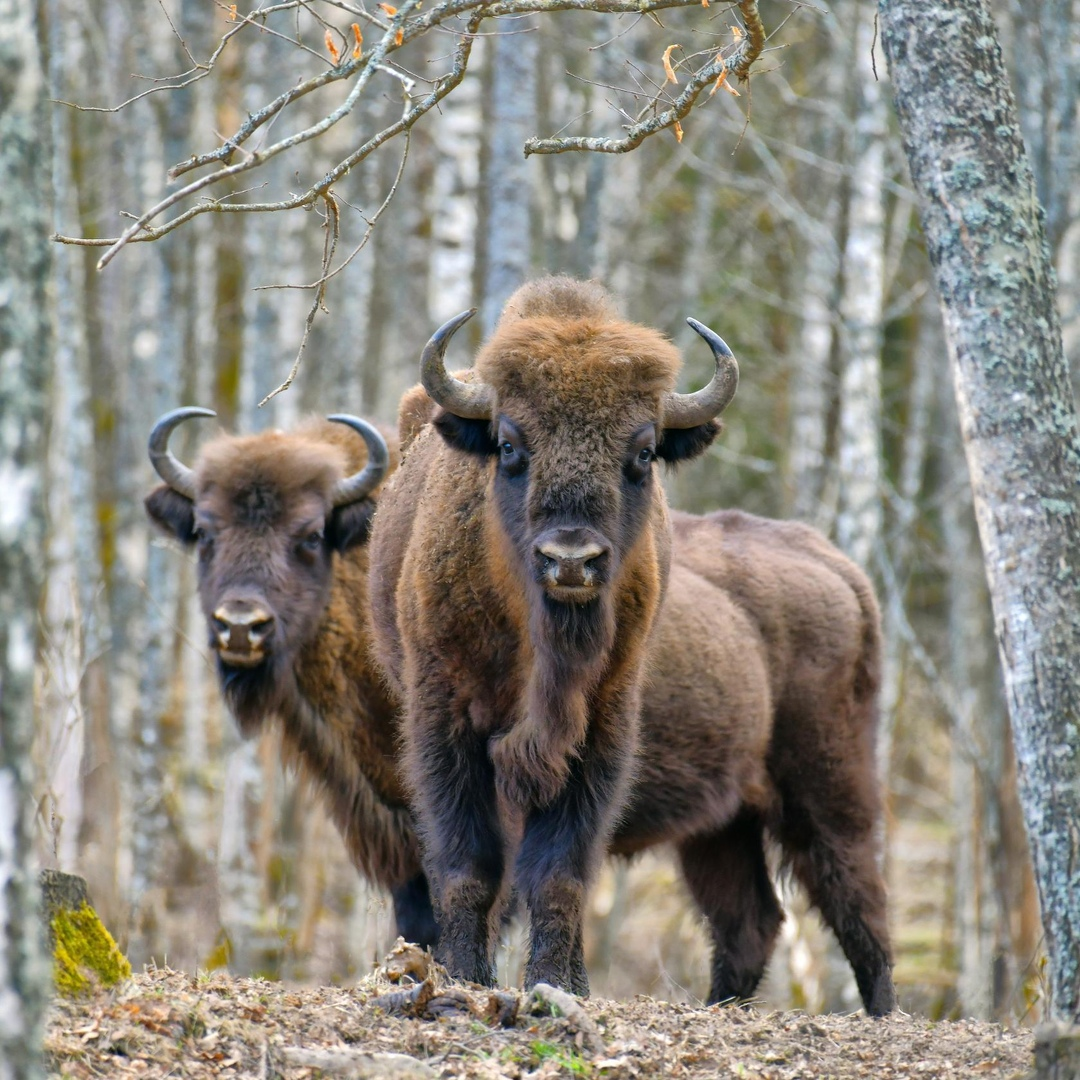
(859, 519)
(811, 380)
(512, 120)
(25, 360)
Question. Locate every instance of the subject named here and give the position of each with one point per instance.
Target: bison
(280, 522)
(758, 721)
(519, 559)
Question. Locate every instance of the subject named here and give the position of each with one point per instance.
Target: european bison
(280, 522)
(519, 559)
(758, 718)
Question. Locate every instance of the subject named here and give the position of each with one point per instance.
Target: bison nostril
(241, 626)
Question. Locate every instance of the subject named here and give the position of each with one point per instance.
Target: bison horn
(355, 487)
(689, 410)
(470, 400)
(177, 475)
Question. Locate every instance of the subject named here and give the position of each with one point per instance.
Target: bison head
(575, 406)
(266, 513)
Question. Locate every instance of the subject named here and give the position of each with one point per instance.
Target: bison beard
(518, 562)
(252, 694)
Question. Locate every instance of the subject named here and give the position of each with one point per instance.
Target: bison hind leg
(845, 885)
(414, 912)
(728, 877)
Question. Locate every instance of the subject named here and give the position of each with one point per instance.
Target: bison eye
(647, 455)
(313, 540)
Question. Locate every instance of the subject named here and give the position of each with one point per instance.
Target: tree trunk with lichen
(986, 240)
(25, 357)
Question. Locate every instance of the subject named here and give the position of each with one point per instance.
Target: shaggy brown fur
(758, 718)
(267, 535)
(521, 703)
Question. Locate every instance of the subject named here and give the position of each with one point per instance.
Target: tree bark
(512, 121)
(986, 240)
(859, 519)
(25, 365)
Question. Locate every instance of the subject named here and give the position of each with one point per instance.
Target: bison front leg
(561, 846)
(454, 794)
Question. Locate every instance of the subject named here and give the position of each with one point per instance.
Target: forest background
(782, 218)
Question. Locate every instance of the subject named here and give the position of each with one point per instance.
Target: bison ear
(349, 526)
(472, 436)
(172, 512)
(681, 444)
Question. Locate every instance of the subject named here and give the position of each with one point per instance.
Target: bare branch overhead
(356, 66)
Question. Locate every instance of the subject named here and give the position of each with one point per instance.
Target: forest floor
(406, 1021)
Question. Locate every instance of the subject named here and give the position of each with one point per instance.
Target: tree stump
(1057, 1052)
(84, 952)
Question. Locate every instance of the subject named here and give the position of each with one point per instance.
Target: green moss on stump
(84, 953)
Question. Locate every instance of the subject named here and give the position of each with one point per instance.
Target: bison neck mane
(346, 762)
(378, 834)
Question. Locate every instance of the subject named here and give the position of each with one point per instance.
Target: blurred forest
(782, 218)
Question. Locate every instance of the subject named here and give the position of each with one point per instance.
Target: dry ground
(406, 1022)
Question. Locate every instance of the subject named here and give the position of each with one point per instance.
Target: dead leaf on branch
(331, 48)
(359, 39)
(721, 80)
(678, 131)
(668, 69)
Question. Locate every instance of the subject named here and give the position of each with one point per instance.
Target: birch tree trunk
(512, 121)
(25, 359)
(986, 240)
(858, 523)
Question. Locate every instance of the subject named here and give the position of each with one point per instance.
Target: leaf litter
(408, 1021)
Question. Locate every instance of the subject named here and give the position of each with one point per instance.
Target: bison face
(572, 507)
(575, 416)
(266, 515)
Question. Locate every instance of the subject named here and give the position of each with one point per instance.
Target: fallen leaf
(668, 69)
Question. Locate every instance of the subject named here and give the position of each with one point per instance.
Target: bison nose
(241, 628)
(571, 558)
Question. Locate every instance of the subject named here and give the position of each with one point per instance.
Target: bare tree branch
(463, 18)
(734, 60)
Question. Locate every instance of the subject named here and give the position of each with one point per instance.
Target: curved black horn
(177, 475)
(470, 400)
(355, 487)
(690, 410)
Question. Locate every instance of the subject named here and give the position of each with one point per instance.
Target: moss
(221, 953)
(85, 954)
